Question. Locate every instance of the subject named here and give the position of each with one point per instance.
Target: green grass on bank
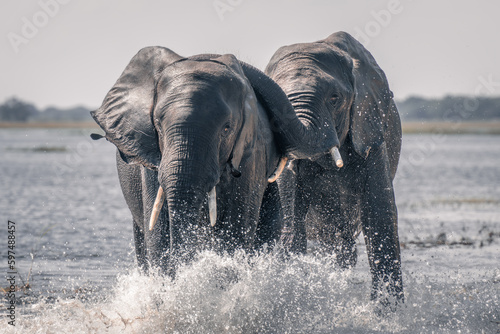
(452, 128)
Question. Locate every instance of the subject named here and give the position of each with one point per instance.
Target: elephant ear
(245, 138)
(125, 114)
(373, 99)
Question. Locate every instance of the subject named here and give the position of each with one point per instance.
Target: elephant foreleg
(302, 196)
(140, 248)
(131, 183)
(379, 224)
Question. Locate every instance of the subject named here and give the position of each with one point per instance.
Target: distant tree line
(450, 109)
(15, 110)
(446, 109)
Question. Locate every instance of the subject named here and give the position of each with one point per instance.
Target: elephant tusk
(279, 169)
(337, 157)
(160, 198)
(212, 206)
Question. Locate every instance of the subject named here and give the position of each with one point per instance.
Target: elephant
(336, 84)
(200, 141)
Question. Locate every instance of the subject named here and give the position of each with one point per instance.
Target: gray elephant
(195, 134)
(336, 85)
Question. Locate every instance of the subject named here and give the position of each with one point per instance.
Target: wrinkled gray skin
(336, 84)
(191, 124)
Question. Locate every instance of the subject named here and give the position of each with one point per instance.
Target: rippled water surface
(74, 245)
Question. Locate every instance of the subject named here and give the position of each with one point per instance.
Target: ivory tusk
(160, 198)
(212, 206)
(279, 169)
(337, 157)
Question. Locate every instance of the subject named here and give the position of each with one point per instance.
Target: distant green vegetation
(450, 109)
(18, 111)
(447, 109)
(40, 149)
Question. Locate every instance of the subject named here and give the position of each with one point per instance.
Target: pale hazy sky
(71, 54)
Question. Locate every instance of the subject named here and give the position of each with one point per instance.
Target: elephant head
(336, 83)
(190, 120)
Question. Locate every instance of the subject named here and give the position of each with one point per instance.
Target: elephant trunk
(304, 106)
(188, 173)
(299, 137)
(184, 210)
(212, 203)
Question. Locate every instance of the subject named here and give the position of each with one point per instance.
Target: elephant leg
(334, 221)
(131, 184)
(239, 203)
(393, 138)
(337, 241)
(270, 218)
(303, 198)
(347, 255)
(300, 231)
(379, 224)
(140, 248)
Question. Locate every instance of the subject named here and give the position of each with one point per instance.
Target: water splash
(262, 294)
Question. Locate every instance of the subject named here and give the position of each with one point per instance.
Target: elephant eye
(226, 129)
(334, 101)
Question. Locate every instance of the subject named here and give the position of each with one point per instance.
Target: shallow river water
(73, 245)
